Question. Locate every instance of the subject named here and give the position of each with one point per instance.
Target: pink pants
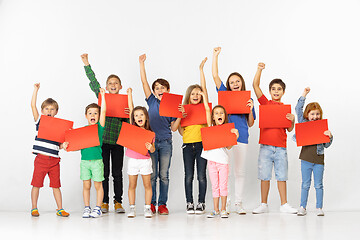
(218, 173)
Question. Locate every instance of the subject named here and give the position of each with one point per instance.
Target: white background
(306, 43)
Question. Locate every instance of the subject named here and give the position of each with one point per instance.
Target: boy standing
(109, 147)
(47, 160)
(272, 147)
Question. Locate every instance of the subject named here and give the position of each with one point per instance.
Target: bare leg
(99, 193)
(58, 198)
(86, 192)
(282, 191)
(265, 186)
(132, 188)
(216, 204)
(34, 196)
(148, 189)
(223, 203)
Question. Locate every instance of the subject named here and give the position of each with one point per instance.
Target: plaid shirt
(112, 124)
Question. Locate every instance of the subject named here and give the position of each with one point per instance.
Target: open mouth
(92, 120)
(139, 122)
(236, 88)
(49, 115)
(220, 119)
(160, 94)
(113, 89)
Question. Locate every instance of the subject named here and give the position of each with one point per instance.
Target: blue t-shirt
(160, 125)
(240, 121)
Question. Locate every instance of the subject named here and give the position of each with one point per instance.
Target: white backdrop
(307, 43)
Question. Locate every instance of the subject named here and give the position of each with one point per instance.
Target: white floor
(179, 225)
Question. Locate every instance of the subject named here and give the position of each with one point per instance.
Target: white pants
(238, 157)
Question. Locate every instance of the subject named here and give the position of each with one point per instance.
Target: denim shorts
(269, 156)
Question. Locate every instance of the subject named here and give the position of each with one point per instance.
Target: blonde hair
(188, 93)
(312, 106)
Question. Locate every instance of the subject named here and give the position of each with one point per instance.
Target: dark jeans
(117, 159)
(192, 152)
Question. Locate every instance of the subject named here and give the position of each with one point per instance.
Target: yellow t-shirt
(192, 133)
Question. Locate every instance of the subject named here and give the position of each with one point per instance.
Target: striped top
(43, 146)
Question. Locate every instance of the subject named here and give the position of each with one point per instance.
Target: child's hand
(129, 91)
(290, 117)
(127, 111)
(149, 147)
(328, 133)
(182, 110)
(234, 130)
(306, 91)
(217, 51)
(65, 145)
(202, 63)
(142, 58)
(250, 103)
(85, 59)
(261, 66)
(102, 91)
(37, 86)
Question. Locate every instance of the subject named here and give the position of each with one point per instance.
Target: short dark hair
(161, 81)
(92, 105)
(113, 76)
(243, 88)
(48, 102)
(277, 81)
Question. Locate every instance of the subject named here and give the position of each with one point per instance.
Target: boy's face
(235, 83)
(276, 92)
(49, 110)
(92, 115)
(219, 116)
(314, 115)
(195, 96)
(159, 90)
(113, 86)
(140, 118)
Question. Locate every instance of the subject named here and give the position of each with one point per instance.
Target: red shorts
(46, 165)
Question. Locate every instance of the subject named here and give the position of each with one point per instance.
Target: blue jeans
(306, 169)
(192, 152)
(160, 165)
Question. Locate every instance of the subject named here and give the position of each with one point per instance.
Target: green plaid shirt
(112, 124)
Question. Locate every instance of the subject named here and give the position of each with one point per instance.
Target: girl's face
(140, 118)
(92, 115)
(235, 83)
(195, 96)
(159, 90)
(314, 115)
(219, 116)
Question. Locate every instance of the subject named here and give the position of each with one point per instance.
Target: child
(235, 82)
(47, 160)
(272, 147)
(312, 157)
(162, 126)
(109, 147)
(192, 148)
(138, 163)
(218, 161)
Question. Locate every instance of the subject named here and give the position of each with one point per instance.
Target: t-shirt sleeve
(263, 100)
(150, 100)
(253, 112)
(222, 87)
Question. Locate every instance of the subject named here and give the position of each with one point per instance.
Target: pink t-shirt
(132, 154)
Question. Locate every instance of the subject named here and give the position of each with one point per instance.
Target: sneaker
(105, 207)
(286, 208)
(213, 214)
(301, 212)
(319, 212)
(118, 207)
(132, 212)
(62, 213)
(224, 214)
(86, 212)
(200, 208)
(162, 210)
(153, 209)
(35, 212)
(263, 208)
(96, 212)
(239, 208)
(147, 211)
(190, 208)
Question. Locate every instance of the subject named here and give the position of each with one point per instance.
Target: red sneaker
(162, 209)
(153, 209)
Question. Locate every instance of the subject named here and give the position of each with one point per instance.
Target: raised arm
(103, 108)
(256, 83)
(130, 102)
(300, 105)
(33, 102)
(94, 84)
(215, 71)
(202, 79)
(207, 110)
(144, 81)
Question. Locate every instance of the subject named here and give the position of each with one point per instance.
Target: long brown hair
(312, 106)
(188, 93)
(226, 120)
(147, 122)
(243, 88)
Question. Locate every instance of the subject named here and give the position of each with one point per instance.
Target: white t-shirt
(219, 155)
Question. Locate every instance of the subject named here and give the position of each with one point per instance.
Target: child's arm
(103, 108)
(94, 84)
(251, 119)
(202, 79)
(236, 132)
(300, 105)
(130, 102)
(144, 81)
(329, 134)
(207, 110)
(256, 83)
(215, 71)
(291, 117)
(33, 102)
(175, 125)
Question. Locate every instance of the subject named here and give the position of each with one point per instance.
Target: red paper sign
(312, 132)
(53, 129)
(115, 105)
(134, 137)
(234, 102)
(218, 136)
(274, 116)
(83, 137)
(196, 114)
(169, 105)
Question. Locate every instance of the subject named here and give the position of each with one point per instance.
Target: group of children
(154, 166)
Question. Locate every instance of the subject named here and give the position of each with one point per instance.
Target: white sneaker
(301, 212)
(96, 212)
(213, 214)
(319, 212)
(147, 211)
(86, 212)
(224, 214)
(239, 208)
(132, 212)
(263, 208)
(286, 208)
